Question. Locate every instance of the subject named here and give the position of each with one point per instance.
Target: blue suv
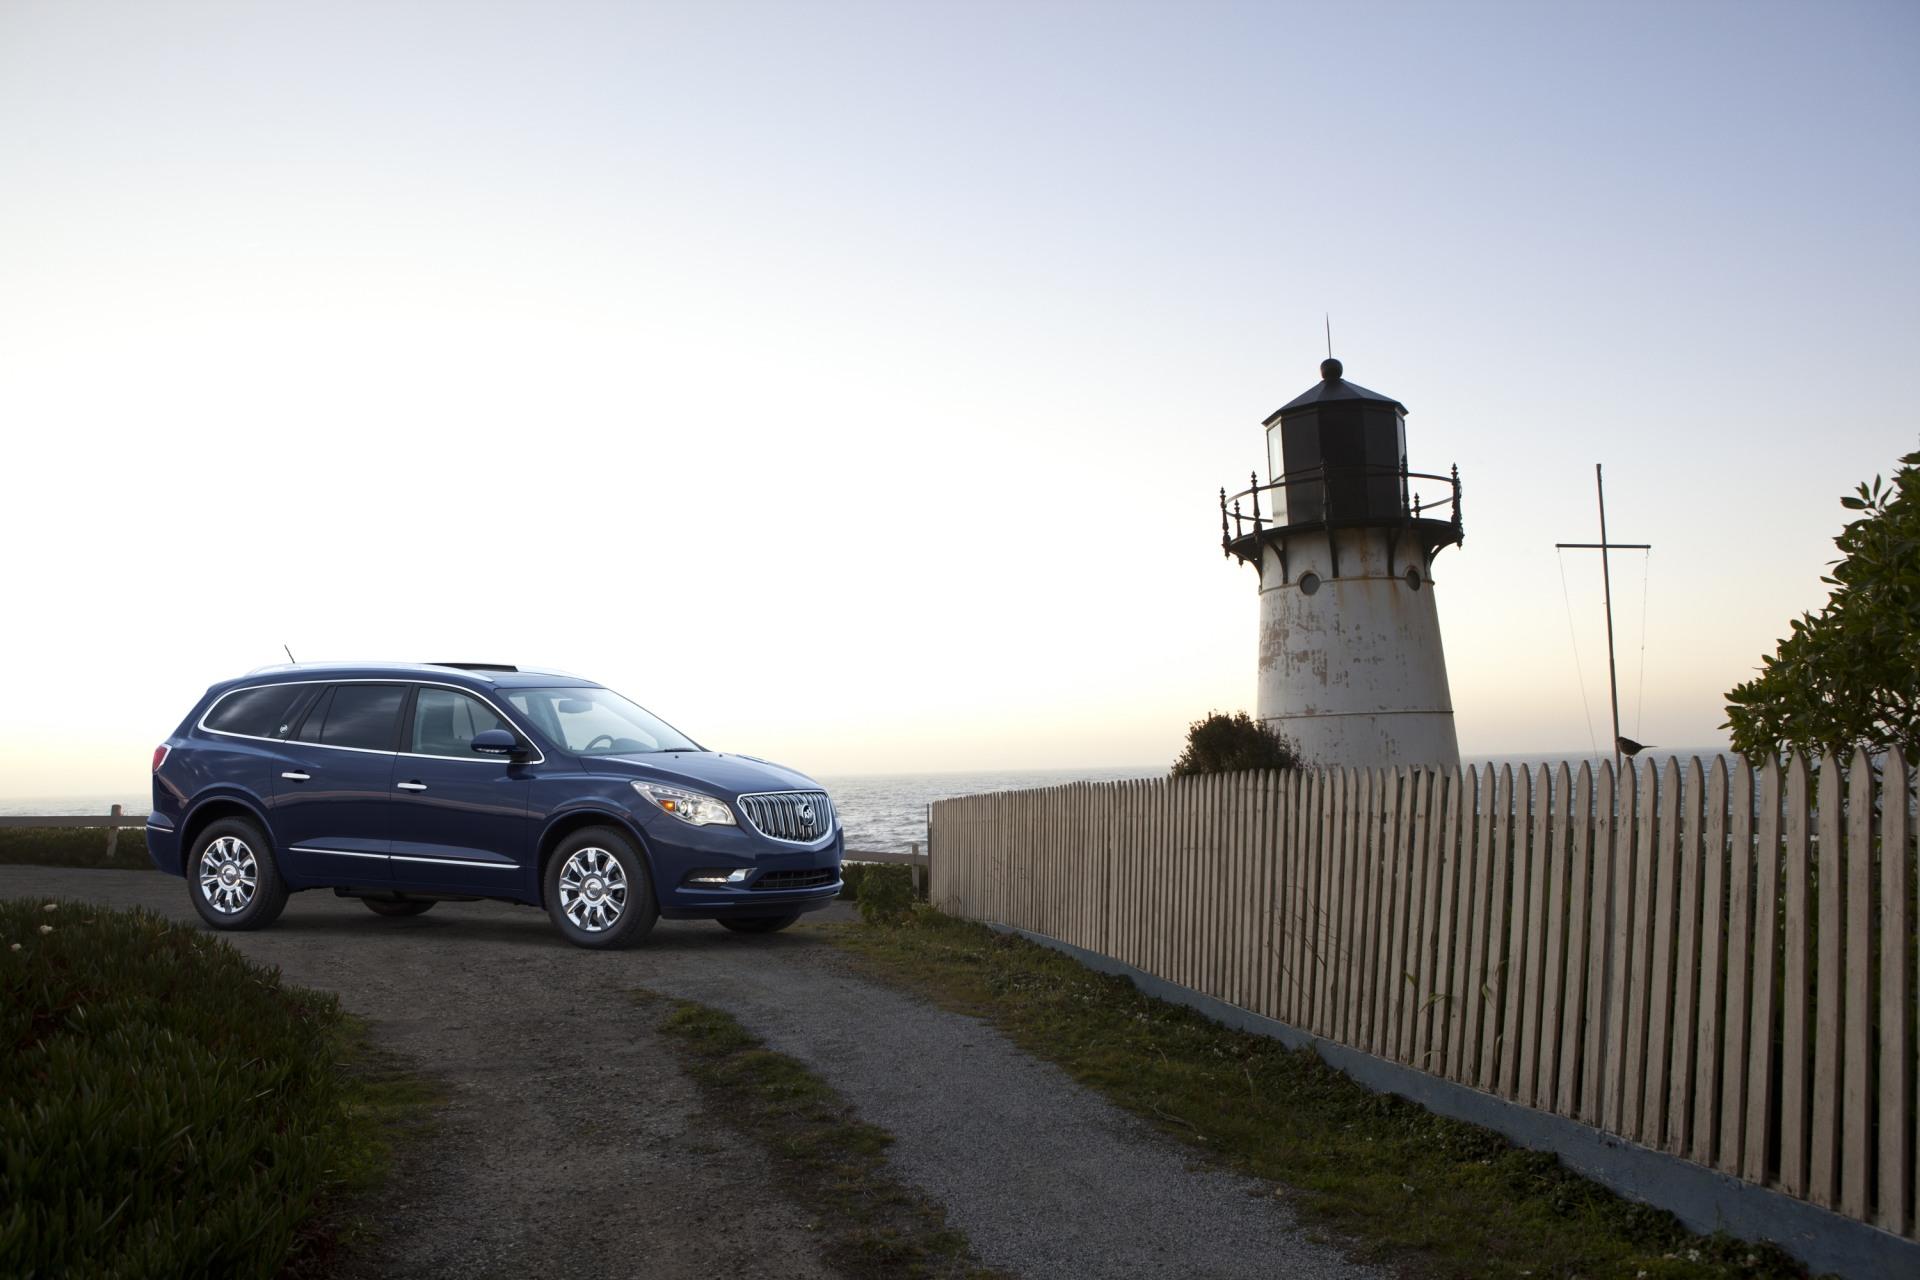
(406, 785)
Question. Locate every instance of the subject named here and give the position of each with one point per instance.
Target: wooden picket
(1768, 979)
(1594, 1068)
(1638, 966)
(1493, 969)
(1823, 1130)
(1544, 1076)
(1573, 1007)
(1896, 1210)
(1533, 974)
(1620, 960)
(1688, 801)
(1856, 1017)
(1705, 958)
(1713, 950)
(1666, 867)
(1796, 946)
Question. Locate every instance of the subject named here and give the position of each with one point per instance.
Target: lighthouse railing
(1332, 494)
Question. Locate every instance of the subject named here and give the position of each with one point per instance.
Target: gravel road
(571, 1145)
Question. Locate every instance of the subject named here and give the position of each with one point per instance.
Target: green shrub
(74, 847)
(851, 876)
(167, 1107)
(886, 893)
(1224, 743)
(1851, 673)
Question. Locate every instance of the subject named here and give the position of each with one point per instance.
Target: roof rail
(475, 666)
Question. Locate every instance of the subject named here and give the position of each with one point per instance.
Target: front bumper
(680, 850)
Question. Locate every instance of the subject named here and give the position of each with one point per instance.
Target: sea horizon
(76, 803)
(887, 811)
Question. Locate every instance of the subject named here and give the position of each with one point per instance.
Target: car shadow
(503, 923)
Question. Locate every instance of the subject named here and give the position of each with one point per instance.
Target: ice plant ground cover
(168, 1107)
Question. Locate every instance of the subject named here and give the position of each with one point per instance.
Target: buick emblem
(806, 815)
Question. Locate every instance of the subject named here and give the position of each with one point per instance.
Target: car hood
(709, 771)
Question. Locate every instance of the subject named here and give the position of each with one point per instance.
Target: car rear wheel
(758, 924)
(232, 877)
(382, 907)
(599, 894)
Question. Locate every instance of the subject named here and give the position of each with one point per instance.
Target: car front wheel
(598, 892)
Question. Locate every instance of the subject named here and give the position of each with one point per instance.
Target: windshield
(597, 722)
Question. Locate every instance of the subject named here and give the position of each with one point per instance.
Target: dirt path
(572, 1147)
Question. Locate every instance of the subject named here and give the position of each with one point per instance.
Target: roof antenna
(1329, 320)
(290, 658)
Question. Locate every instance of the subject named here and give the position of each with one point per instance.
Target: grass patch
(167, 1107)
(1399, 1184)
(74, 847)
(831, 1163)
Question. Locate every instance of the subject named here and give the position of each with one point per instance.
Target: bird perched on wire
(1628, 747)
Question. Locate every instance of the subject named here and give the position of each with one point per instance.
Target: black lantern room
(1337, 459)
(1342, 452)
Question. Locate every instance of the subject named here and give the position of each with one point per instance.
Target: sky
(853, 384)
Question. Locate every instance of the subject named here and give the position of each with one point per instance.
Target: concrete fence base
(1703, 1199)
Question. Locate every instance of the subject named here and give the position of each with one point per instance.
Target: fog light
(736, 876)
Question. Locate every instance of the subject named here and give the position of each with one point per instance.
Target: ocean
(887, 812)
(884, 812)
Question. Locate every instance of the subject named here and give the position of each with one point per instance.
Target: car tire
(232, 876)
(758, 924)
(384, 907)
(598, 892)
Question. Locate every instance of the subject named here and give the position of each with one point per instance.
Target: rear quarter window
(265, 712)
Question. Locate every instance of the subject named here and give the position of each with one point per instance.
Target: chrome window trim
(819, 843)
(453, 862)
(338, 853)
(539, 756)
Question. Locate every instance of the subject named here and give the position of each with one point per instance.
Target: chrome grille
(799, 816)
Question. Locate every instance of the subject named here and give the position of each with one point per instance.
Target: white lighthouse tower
(1344, 537)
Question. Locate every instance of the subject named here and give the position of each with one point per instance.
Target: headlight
(688, 806)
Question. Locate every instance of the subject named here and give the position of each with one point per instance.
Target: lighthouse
(1344, 537)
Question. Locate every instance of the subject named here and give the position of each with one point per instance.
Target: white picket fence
(1714, 962)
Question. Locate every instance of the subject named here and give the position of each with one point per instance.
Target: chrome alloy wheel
(228, 874)
(593, 889)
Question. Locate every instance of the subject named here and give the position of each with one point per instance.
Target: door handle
(296, 776)
(411, 786)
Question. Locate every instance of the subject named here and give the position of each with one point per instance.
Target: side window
(266, 712)
(361, 715)
(445, 722)
(316, 717)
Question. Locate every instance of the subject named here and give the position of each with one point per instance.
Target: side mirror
(496, 742)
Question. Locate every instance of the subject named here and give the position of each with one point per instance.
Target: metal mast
(1606, 579)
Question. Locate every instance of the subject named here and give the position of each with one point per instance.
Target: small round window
(1309, 583)
(1413, 577)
